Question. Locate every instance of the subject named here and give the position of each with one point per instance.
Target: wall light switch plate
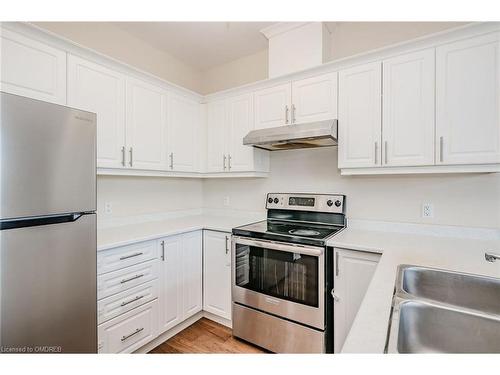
(428, 210)
(108, 208)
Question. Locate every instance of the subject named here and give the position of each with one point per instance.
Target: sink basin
(439, 311)
(428, 328)
(458, 289)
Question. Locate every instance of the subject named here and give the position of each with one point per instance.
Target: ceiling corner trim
(280, 28)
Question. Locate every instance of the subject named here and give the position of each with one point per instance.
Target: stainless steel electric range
(282, 274)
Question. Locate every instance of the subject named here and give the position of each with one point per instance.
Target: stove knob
(276, 200)
(270, 200)
(329, 203)
(338, 203)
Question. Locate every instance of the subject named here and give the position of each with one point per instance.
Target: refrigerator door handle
(37, 221)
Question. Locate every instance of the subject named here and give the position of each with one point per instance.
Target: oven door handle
(297, 249)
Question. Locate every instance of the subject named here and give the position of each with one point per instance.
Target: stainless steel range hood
(310, 135)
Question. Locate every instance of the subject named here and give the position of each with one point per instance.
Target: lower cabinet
(353, 273)
(217, 273)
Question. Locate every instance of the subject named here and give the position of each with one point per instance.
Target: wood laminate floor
(205, 336)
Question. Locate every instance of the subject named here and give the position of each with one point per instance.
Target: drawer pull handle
(132, 334)
(132, 278)
(131, 256)
(137, 298)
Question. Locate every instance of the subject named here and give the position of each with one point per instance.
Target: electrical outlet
(427, 210)
(226, 201)
(108, 208)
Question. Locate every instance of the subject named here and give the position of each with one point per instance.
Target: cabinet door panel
(272, 106)
(192, 273)
(217, 273)
(183, 134)
(355, 271)
(146, 126)
(468, 101)
(240, 122)
(30, 68)
(360, 116)
(216, 136)
(94, 88)
(171, 283)
(315, 98)
(408, 110)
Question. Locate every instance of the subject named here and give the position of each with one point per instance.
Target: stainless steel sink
(438, 311)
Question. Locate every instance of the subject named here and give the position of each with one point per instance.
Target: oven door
(279, 278)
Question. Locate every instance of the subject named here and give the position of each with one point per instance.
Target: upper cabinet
(306, 100)
(97, 89)
(183, 134)
(33, 69)
(360, 102)
(468, 101)
(408, 110)
(146, 125)
(216, 136)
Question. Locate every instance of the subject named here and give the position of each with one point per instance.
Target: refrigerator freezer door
(47, 158)
(48, 287)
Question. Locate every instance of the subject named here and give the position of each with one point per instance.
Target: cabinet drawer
(121, 257)
(130, 331)
(117, 281)
(117, 304)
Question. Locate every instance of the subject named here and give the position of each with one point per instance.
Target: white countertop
(369, 330)
(126, 234)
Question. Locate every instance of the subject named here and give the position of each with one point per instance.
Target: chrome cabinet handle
(131, 151)
(137, 298)
(229, 162)
(441, 149)
(171, 160)
(286, 114)
(227, 247)
(335, 298)
(131, 256)
(336, 264)
(132, 278)
(293, 113)
(132, 334)
(163, 250)
(385, 151)
(491, 257)
(376, 149)
(224, 161)
(123, 155)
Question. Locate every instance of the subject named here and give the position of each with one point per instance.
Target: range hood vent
(310, 135)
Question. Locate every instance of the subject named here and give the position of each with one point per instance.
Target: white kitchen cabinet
(353, 273)
(146, 121)
(192, 264)
(468, 101)
(216, 136)
(217, 273)
(408, 110)
(30, 68)
(360, 101)
(273, 106)
(314, 99)
(95, 88)
(183, 134)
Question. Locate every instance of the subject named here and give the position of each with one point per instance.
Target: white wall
(468, 200)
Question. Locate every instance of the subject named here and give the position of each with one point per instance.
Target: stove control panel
(332, 203)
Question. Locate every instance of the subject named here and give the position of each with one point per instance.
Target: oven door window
(286, 275)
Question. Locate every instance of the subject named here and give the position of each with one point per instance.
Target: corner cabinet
(353, 273)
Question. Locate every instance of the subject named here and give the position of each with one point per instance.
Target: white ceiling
(202, 45)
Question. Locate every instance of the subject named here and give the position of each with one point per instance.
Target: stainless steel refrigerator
(48, 227)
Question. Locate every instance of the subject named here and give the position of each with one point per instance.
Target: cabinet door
(30, 68)
(408, 110)
(314, 99)
(217, 273)
(360, 116)
(183, 134)
(353, 273)
(171, 282)
(468, 101)
(240, 122)
(216, 136)
(192, 273)
(94, 88)
(146, 126)
(272, 106)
